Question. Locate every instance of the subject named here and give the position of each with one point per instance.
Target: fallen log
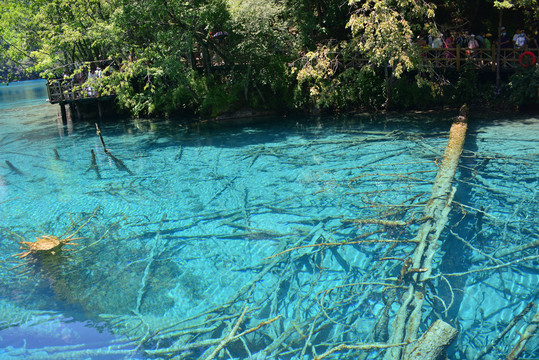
(434, 342)
(406, 323)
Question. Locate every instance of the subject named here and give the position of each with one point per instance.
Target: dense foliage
(215, 56)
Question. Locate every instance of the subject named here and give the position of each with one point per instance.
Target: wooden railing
(478, 58)
(66, 90)
(63, 91)
(458, 57)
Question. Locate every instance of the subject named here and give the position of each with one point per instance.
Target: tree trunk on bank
(498, 50)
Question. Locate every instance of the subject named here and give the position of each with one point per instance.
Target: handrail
(479, 57)
(65, 91)
(455, 58)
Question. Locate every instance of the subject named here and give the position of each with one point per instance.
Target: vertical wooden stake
(458, 57)
(64, 114)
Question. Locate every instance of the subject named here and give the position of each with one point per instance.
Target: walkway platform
(62, 91)
(457, 58)
(66, 91)
(81, 100)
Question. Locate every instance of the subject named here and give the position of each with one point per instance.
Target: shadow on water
(164, 133)
(58, 281)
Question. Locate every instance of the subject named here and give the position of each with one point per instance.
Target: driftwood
(508, 328)
(508, 251)
(120, 164)
(530, 331)
(434, 342)
(409, 316)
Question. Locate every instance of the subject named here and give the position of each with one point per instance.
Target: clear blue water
(176, 231)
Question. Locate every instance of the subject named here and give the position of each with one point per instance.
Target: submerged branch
(119, 163)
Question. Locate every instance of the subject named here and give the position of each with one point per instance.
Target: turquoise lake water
(178, 228)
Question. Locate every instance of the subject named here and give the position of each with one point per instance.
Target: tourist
(462, 39)
(515, 37)
(521, 41)
(505, 40)
(450, 45)
(472, 45)
(481, 40)
(487, 40)
(91, 77)
(437, 42)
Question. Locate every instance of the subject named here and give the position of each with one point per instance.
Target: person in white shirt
(515, 37)
(521, 40)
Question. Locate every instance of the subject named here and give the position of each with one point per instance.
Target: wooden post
(458, 57)
(100, 112)
(493, 57)
(49, 91)
(77, 111)
(64, 114)
(72, 110)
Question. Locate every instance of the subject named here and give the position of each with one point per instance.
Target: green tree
(261, 46)
(384, 31)
(205, 56)
(160, 42)
(48, 36)
(17, 37)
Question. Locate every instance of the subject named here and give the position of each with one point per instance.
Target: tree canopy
(212, 56)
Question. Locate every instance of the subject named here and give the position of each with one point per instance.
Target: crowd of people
(521, 40)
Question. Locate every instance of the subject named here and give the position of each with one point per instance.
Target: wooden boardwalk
(65, 91)
(81, 100)
(457, 58)
(478, 58)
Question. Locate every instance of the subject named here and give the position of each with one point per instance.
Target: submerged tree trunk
(408, 319)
